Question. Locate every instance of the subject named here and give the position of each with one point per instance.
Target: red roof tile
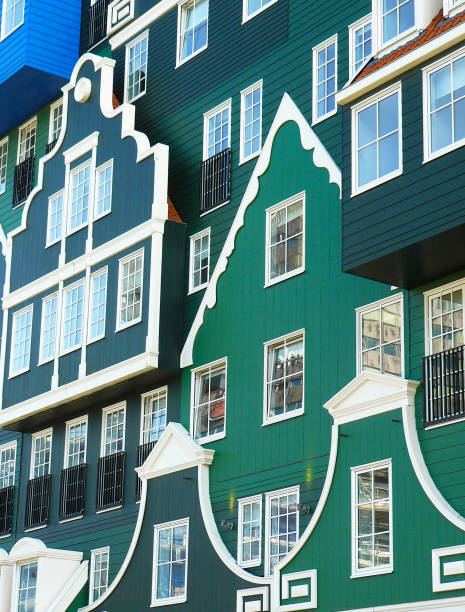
(172, 212)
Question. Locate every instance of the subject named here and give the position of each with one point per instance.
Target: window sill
(246, 18)
(70, 520)
(101, 215)
(35, 528)
(132, 100)
(49, 244)
(126, 325)
(109, 509)
(443, 151)
(168, 602)
(207, 212)
(284, 417)
(212, 438)
(317, 120)
(6, 535)
(248, 564)
(454, 10)
(4, 36)
(93, 340)
(373, 572)
(398, 41)
(44, 361)
(71, 349)
(18, 373)
(180, 63)
(280, 279)
(373, 184)
(199, 288)
(244, 160)
(70, 232)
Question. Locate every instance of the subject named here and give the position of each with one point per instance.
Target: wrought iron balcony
(443, 387)
(72, 491)
(143, 452)
(23, 180)
(98, 21)
(215, 180)
(7, 495)
(110, 481)
(49, 146)
(37, 501)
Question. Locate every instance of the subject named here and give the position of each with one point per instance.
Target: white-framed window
(41, 452)
(376, 139)
(3, 164)
(208, 393)
(444, 105)
(285, 239)
(154, 411)
(360, 44)
(56, 120)
(113, 429)
(7, 464)
(136, 67)
(20, 352)
(27, 140)
(250, 8)
(98, 304)
(217, 129)
(76, 442)
(103, 185)
(452, 7)
(192, 29)
(380, 337)
(284, 378)
(73, 315)
(249, 532)
(199, 261)
(48, 328)
(251, 122)
(372, 519)
(170, 557)
(396, 19)
(281, 525)
(55, 218)
(444, 314)
(324, 79)
(98, 575)
(130, 281)
(12, 16)
(80, 179)
(27, 587)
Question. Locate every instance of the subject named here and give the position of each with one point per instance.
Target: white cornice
(31, 548)
(162, 7)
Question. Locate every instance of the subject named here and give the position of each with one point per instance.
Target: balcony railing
(110, 481)
(37, 501)
(49, 146)
(98, 21)
(444, 385)
(142, 453)
(215, 180)
(6, 510)
(72, 491)
(23, 180)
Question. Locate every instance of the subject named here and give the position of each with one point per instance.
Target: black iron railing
(50, 145)
(215, 180)
(23, 180)
(98, 21)
(37, 501)
(110, 481)
(6, 509)
(72, 491)
(444, 385)
(142, 453)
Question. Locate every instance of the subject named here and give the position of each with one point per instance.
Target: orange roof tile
(172, 212)
(115, 101)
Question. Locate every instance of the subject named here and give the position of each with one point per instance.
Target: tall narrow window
(104, 188)
(136, 67)
(282, 525)
(49, 326)
(56, 120)
(55, 218)
(12, 16)
(209, 401)
(445, 319)
(27, 141)
(251, 121)
(41, 453)
(324, 79)
(76, 442)
(371, 519)
(3, 164)
(199, 261)
(360, 36)
(398, 16)
(114, 423)
(169, 581)
(98, 575)
(73, 317)
(153, 415)
(7, 465)
(21, 341)
(80, 190)
(252, 7)
(130, 289)
(98, 302)
(217, 130)
(249, 531)
(27, 587)
(192, 28)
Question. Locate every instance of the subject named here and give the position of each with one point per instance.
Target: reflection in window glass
(209, 401)
(381, 349)
(398, 17)
(285, 376)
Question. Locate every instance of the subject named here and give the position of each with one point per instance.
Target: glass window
(130, 289)
(282, 525)
(170, 562)
(200, 260)
(13, 15)
(7, 465)
(372, 518)
(99, 560)
(76, 442)
(73, 317)
(136, 62)
(27, 587)
(255, 6)
(361, 44)
(251, 121)
(114, 421)
(381, 338)
(193, 28)
(324, 80)
(285, 239)
(209, 409)
(56, 120)
(27, 141)
(21, 341)
(217, 130)
(98, 301)
(55, 218)
(154, 416)
(446, 319)
(80, 189)
(398, 17)
(250, 531)
(49, 326)
(104, 188)
(41, 453)
(3, 164)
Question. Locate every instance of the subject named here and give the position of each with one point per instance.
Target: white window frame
(15, 316)
(121, 262)
(108, 164)
(245, 15)
(40, 434)
(129, 46)
(315, 50)
(364, 21)
(87, 163)
(378, 305)
(54, 106)
(44, 301)
(148, 397)
(381, 47)
(385, 93)
(93, 276)
(268, 496)
(242, 157)
(226, 105)
(23, 127)
(181, 7)
(93, 554)
(240, 522)
(17, 581)
(268, 212)
(451, 9)
(427, 296)
(198, 236)
(6, 34)
(105, 411)
(156, 529)
(4, 142)
(78, 421)
(375, 570)
(55, 196)
(208, 367)
(5, 447)
(66, 289)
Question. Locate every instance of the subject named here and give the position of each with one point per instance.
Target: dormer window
(398, 16)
